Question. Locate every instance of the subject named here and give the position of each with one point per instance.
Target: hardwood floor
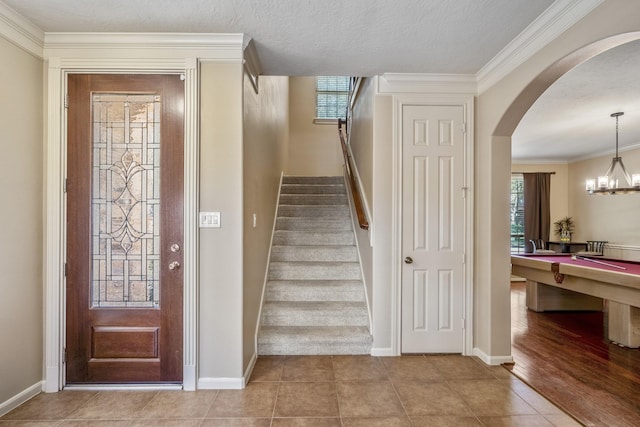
(565, 357)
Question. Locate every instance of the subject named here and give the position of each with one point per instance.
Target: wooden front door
(433, 229)
(124, 284)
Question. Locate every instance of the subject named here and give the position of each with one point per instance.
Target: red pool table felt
(630, 267)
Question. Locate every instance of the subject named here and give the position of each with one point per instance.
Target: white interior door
(433, 229)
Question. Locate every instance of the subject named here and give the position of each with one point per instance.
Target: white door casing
(433, 229)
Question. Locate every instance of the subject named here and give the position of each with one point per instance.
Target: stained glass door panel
(126, 197)
(124, 214)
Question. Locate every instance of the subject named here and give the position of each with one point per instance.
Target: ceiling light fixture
(609, 182)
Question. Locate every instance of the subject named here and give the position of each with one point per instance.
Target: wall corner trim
(252, 64)
(383, 352)
(491, 360)
(220, 383)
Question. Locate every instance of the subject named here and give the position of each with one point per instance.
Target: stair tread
(316, 330)
(316, 282)
(313, 305)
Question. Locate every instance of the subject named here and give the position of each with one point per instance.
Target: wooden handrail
(355, 190)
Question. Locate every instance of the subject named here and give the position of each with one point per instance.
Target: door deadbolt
(175, 247)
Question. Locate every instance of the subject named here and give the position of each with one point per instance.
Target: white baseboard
(190, 379)
(220, 383)
(492, 360)
(383, 352)
(249, 370)
(17, 400)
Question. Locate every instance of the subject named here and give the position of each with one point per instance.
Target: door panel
(433, 229)
(124, 228)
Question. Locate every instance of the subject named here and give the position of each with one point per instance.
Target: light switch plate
(209, 219)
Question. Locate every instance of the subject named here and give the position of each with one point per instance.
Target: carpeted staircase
(314, 298)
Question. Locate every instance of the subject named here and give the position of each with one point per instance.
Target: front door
(124, 284)
(432, 229)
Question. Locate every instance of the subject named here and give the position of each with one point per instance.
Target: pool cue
(599, 262)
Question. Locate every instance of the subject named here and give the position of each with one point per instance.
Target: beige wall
(243, 150)
(21, 190)
(499, 109)
(221, 253)
(308, 151)
(611, 218)
(559, 197)
(266, 137)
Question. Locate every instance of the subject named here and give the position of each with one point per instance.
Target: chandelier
(611, 181)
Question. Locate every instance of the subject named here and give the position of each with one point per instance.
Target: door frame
(466, 101)
(55, 201)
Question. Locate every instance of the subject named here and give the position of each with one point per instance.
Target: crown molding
(540, 161)
(609, 152)
(204, 46)
(427, 83)
(21, 32)
(554, 21)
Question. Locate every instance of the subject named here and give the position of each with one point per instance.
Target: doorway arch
(500, 110)
(532, 91)
(525, 99)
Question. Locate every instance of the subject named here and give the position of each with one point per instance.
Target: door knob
(175, 248)
(174, 265)
(408, 260)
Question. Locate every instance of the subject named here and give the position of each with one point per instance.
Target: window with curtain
(536, 189)
(517, 213)
(332, 97)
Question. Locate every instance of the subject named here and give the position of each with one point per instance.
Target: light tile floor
(443, 390)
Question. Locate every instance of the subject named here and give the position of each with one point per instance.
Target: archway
(537, 86)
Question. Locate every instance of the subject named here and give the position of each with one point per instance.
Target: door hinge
(464, 192)
(464, 258)
(464, 323)
(65, 269)
(66, 100)
(64, 355)
(464, 127)
(64, 189)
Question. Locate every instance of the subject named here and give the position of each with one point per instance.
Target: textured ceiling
(571, 120)
(317, 37)
(371, 37)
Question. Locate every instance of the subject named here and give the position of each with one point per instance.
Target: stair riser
(282, 238)
(303, 199)
(312, 180)
(312, 189)
(301, 348)
(293, 271)
(313, 211)
(314, 293)
(313, 224)
(293, 317)
(314, 253)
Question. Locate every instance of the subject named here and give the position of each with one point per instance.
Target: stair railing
(353, 185)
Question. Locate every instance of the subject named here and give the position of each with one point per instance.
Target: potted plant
(564, 228)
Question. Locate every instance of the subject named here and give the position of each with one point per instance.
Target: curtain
(537, 219)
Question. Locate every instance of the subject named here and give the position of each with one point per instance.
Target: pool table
(561, 282)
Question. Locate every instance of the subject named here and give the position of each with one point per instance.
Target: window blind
(332, 97)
